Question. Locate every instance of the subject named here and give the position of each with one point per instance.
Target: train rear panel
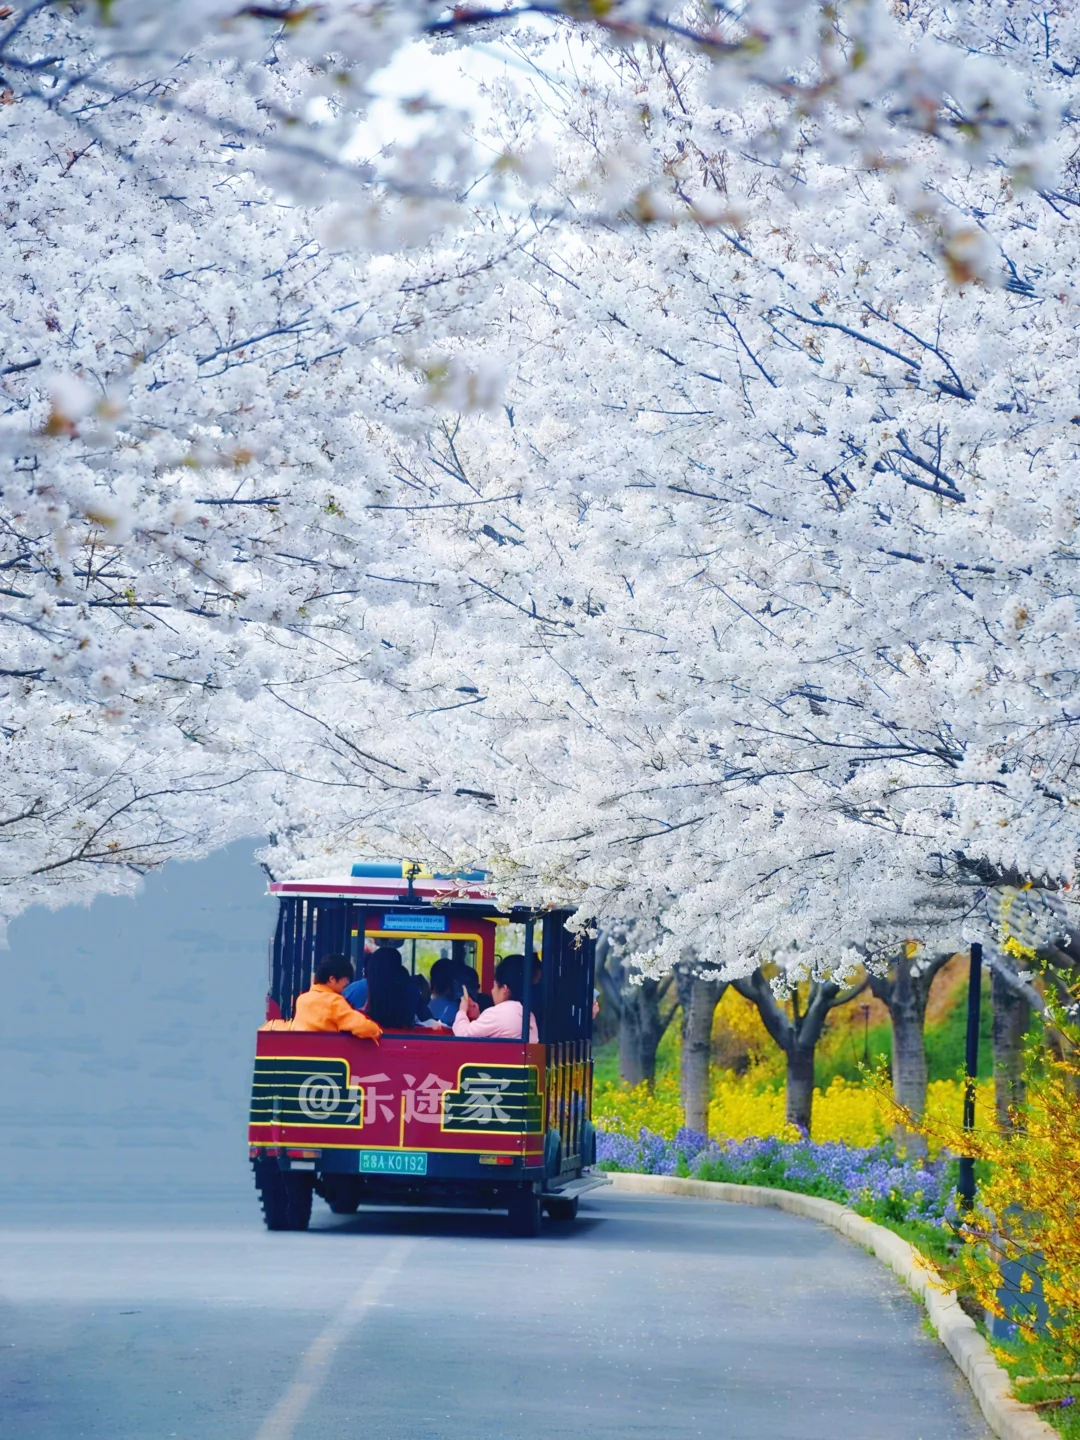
(449, 1106)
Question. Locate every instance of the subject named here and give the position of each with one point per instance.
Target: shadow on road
(444, 1224)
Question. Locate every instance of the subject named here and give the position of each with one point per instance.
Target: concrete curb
(1006, 1416)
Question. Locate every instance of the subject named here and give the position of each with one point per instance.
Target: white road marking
(313, 1370)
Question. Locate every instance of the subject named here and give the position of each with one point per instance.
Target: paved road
(651, 1317)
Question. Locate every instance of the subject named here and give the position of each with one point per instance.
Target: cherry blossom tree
(761, 608)
(187, 372)
(88, 809)
(640, 530)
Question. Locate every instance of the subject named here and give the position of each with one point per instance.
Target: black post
(965, 1188)
(526, 984)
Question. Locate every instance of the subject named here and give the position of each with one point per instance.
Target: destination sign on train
(414, 922)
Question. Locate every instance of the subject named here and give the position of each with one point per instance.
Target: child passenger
(324, 1007)
(503, 1020)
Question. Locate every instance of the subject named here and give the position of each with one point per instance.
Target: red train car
(420, 1118)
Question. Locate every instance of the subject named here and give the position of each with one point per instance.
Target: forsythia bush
(744, 1106)
(1027, 1210)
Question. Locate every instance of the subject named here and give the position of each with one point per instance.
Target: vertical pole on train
(965, 1188)
(526, 984)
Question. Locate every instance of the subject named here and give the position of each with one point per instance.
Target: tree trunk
(640, 1032)
(799, 1099)
(906, 992)
(699, 1001)
(909, 1052)
(908, 1013)
(1012, 1016)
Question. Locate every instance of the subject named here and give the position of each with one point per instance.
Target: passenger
(503, 1020)
(468, 982)
(422, 991)
(419, 989)
(356, 993)
(537, 998)
(391, 1000)
(465, 978)
(324, 1006)
(442, 1004)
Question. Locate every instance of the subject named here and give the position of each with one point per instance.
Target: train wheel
(524, 1212)
(562, 1209)
(341, 1192)
(286, 1199)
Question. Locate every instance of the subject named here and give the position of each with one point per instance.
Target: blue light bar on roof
(399, 870)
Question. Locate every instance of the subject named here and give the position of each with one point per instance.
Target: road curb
(1006, 1416)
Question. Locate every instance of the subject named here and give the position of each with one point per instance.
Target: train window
(419, 952)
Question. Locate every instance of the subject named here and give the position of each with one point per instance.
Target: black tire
(523, 1212)
(562, 1209)
(285, 1198)
(341, 1192)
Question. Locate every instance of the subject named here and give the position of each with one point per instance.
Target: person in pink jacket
(503, 1020)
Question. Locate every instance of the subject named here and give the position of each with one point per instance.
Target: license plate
(393, 1162)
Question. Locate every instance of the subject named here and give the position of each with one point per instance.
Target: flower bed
(874, 1180)
(746, 1107)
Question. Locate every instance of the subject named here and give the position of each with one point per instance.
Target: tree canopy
(673, 511)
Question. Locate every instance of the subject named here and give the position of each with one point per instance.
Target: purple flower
(875, 1180)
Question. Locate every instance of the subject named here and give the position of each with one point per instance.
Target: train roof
(397, 881)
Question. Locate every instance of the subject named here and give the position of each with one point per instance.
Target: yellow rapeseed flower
(747, 1105)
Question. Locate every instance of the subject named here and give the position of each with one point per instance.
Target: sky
(450, 77)
(127, 1034)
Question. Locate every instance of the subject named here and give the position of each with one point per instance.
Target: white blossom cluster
(779, 618)
(683, 524)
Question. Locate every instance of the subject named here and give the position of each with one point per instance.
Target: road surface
(650, 1317)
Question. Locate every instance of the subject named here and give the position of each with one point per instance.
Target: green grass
(945, 1042)
(606, 1056)
(847, 1060)
(606, 1063)
(939, 1246)
(1022, 1357)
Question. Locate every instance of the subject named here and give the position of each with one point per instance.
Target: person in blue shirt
(356, 993)
(443, 1005)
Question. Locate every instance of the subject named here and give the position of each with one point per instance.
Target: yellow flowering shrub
(945, 1104)
(1027, 1206)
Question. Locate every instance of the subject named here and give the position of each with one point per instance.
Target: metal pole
(526, 984)
(965, 1188)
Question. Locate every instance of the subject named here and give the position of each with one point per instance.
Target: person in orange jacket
(323, 1007)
